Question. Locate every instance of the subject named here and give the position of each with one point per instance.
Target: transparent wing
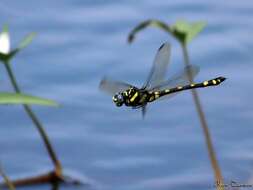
(159, 68)
(112, 87)
(179, 79)
(144, 111)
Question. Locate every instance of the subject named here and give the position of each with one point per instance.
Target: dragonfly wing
(179, 79)
(112, 87)
(160, 64)
(143, 111)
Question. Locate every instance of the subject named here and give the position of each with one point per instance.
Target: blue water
(77, 43)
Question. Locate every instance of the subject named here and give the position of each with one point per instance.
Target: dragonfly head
(118, 99)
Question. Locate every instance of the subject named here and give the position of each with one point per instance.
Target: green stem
(36, 122)
(6, 179)
(211, 152)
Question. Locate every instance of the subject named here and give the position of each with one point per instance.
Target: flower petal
(5, 42)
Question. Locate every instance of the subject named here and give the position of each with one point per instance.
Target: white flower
(5, 42)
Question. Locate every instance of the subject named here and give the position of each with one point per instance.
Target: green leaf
(185, 31)
(26, 41)
(148, 23)
(23, 44)
(12, 98)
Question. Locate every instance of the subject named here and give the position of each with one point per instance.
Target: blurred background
(78, 43)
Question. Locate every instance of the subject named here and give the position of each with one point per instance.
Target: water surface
(78, 43)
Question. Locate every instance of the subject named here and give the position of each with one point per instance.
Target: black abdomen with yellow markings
(213, 82)
(135, 97)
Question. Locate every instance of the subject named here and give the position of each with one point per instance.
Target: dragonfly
(156, 86)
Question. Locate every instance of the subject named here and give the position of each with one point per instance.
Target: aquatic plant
(6, 179)
(184, 32)
(6, 55)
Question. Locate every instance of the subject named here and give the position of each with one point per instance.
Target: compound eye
(119, 104)
(118, 99)
(114, 98)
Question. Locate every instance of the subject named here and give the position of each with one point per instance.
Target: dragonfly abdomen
(212, 82)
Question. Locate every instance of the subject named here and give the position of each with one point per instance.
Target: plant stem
(36, 122)
(211, 152)
(6, 179)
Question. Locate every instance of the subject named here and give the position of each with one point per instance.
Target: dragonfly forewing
(112, 87)
(159, 67)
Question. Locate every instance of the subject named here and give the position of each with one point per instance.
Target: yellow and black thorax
(135, 97)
